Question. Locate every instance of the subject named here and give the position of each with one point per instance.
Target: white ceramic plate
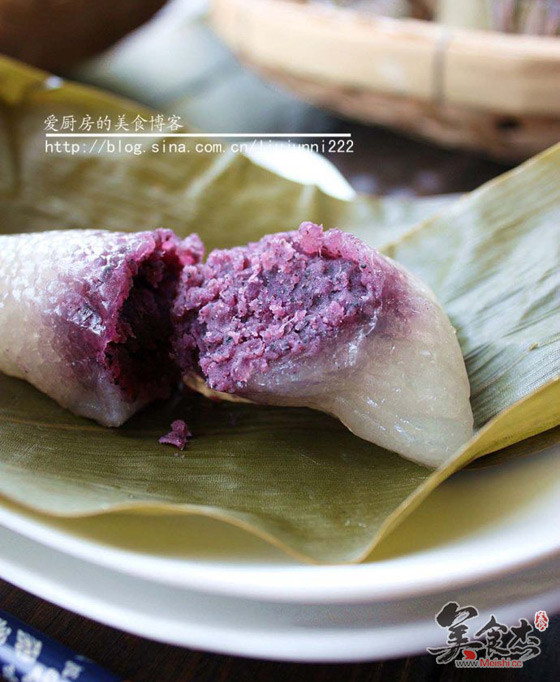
(298, 632)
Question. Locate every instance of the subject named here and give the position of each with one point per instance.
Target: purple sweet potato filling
(179, 435)
(137, 354)
(117, 312)
(284, 296)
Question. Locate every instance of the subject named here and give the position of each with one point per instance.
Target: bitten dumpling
(319, 319)
(85, 316)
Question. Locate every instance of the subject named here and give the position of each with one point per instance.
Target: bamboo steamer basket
(492, 92)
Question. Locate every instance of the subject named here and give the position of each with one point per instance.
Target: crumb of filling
(286, 295)
(178, 436)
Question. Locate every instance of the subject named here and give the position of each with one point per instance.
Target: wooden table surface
(382, 163)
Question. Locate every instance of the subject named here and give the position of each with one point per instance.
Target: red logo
(541, 621)
(469, 654)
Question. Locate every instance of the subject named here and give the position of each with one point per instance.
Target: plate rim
(349, 583)
(309, 644)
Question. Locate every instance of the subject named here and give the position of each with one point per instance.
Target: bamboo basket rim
(488, 71)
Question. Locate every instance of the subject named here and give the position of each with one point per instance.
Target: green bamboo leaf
(222, 195)
(295, 477)
(498, 277)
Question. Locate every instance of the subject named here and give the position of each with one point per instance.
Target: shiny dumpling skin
(61, 293)
(335, 326)
(409, 395)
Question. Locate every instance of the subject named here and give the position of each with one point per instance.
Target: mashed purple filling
(115, 316)
(286, 295)
(178, 436)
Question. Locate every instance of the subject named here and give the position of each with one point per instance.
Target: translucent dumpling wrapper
(318, 319)
(85, 316)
